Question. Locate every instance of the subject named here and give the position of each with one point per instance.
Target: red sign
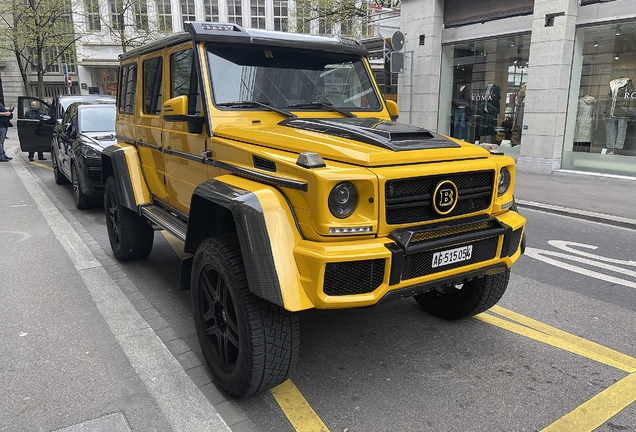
(69, 82)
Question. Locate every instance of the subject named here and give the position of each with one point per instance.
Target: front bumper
(361, 273)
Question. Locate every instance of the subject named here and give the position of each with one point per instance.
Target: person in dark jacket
(6, 114)
(34, 114)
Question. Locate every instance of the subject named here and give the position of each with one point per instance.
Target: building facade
(549, 80)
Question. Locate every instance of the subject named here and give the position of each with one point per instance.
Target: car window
(184, 79)
(96, 119)
(152, 85)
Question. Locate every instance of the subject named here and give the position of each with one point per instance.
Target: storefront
(485, 102)
(601, 122)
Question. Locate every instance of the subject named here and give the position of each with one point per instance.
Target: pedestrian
(5, 116)
(34, 114)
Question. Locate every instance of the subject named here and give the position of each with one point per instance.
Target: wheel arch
(248, 208)
(122, 162)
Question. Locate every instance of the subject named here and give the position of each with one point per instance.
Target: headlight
(504, 181)
(343, 200)
(90, 152)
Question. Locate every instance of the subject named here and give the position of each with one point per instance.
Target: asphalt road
(394, 368)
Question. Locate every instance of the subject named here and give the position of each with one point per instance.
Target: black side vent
(264, 164)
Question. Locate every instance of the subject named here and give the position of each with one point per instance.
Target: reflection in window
(184, 79)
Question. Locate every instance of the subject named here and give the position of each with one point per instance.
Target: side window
(127, 88)
(152, 85)
(184, 79)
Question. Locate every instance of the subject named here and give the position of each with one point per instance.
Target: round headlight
(343, 200)
(504, 181)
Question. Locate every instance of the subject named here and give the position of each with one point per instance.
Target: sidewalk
(80, 348)
(597, 197)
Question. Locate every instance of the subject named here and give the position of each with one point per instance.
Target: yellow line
(302, 417)
(596, 411)
(41, 165)
(576, 340)
(552, 340)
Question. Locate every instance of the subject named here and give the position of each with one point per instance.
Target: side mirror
(68, 129)
(176, 110)
(45, 118)
(393, 109)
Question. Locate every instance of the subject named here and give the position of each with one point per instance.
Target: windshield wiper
(251, 104)
(322, 105)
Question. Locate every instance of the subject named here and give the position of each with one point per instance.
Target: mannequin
(584, 116)
(462, 102)
(619, 108)
(489, 113)
(518, 121)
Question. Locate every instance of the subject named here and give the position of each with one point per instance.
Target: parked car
(76, 149)
(35, 134)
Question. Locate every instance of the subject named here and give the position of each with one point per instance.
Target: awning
(90, 62)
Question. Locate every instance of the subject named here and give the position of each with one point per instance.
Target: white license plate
(452, 256)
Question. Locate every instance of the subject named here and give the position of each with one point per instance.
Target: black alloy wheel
(249, 344)
(473, 297)
(57, 174)
(131, 236)
(81, 200)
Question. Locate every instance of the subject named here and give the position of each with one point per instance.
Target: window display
(603, 116)
(488, 90)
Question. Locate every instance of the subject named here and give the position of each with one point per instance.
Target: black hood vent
(382, 133)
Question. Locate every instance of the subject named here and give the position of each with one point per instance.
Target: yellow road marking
(584, 343)
(596, 411)
(552, 340)
(41, 165)
(302, 417)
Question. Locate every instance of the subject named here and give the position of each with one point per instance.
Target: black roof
(230, 33)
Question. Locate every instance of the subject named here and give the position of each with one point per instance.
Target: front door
(35, 124)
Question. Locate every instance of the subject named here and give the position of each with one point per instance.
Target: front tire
(81, 200)
(131, 237)
(57, 174)
(249, 344)
(475, 296)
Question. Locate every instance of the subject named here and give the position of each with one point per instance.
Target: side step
(166, 220)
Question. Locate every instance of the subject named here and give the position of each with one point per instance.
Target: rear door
(35, 134)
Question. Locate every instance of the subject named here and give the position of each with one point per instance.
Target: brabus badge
(445, 197)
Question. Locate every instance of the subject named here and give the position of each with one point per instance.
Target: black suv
(35, 134)
(76, 149)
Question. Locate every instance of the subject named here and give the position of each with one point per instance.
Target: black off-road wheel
(473, 297)
(249, 344)
(81, 200)
(57, 174)
(131, 237)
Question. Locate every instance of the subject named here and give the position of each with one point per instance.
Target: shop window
(602, 131)
(487, 91)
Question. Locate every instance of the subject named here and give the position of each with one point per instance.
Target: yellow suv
(273, 157)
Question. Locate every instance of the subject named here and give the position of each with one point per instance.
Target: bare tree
(39, 33)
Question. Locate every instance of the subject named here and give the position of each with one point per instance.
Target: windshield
(97, 119)
(286, 78)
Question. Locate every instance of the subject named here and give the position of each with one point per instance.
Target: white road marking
(540, 254)
(565, 245)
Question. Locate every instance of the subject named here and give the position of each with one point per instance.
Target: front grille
(421, 264)
(514, 241)
(410, 200)
(353, 277)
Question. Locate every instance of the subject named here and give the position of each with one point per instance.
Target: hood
(102, 139)
(359, 141)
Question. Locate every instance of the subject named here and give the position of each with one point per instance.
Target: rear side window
(184, 79)
(152, 85)
(127, 88)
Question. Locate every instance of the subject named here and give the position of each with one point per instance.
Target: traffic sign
(69, 81)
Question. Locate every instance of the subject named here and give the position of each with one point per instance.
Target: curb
(580, 214)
